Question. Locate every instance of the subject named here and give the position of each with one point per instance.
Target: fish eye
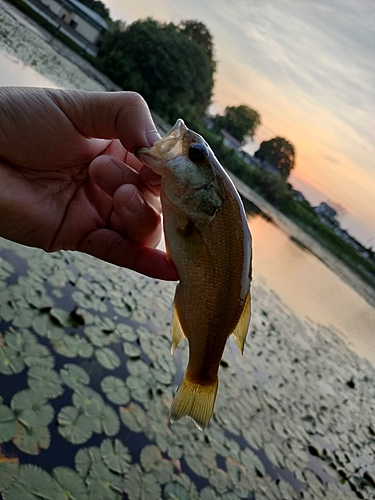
(198, 152)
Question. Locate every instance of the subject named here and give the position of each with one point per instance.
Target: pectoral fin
(177, 332)
(240, 331)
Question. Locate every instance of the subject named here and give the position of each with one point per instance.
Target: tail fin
(195, 401)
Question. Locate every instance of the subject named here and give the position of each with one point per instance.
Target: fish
(208, 239)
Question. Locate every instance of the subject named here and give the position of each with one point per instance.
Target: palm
(54, 192)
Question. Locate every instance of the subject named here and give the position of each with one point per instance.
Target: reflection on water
(309, 288)
(15, 73)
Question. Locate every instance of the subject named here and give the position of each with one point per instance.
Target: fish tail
(195, 401)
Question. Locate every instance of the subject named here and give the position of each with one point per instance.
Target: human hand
(69, 180)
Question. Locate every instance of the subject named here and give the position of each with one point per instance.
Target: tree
(239, 121)
(171, 70)
(278, 152)
(198, 32)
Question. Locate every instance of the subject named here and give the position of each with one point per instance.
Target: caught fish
(208, 239)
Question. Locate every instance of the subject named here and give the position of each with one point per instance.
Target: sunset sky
(308, 68)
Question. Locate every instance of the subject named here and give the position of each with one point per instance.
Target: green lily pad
(89, 401)
(131, 350)
(115, 390)
(138, 368)
(71, 484)
(140, 486)
(8, 425)
(39, 355)
(32, 409)
(134, 417)
(8, 472)
(85, 458)
(251, 461)
(24, 317)
(102, 483)
(74, 376)
(73, 425)
(10, 361)
(32, 440)
(33, 483)
(20, 341)
(72, 346)
(107, 358)
(176, 491)
(110, 422)
(127, 332)
(45, 381)
(115, 455)
(45, 327)
(150, 457)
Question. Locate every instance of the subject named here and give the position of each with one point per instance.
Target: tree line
(173, 67)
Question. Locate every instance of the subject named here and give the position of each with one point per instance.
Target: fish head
(188, 168)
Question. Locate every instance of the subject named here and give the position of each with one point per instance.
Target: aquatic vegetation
(294, 414)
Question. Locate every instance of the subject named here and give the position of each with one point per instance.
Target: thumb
(109, 115)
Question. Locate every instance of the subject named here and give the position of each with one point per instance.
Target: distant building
(81, 24)
(229, 141)
(326, 213)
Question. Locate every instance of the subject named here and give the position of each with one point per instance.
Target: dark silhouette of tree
(239, 121)
(164, 63)
(278, 152)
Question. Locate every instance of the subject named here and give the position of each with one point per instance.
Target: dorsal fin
(240, 332)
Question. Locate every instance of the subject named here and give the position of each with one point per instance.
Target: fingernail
(111, 172)
(135, 203)
(152, 137)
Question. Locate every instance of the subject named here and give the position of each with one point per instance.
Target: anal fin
(240, 332)
(177, 332)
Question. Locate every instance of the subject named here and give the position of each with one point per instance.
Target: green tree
(278, 152)
(199, 33)
(239, 121)
(170, 70)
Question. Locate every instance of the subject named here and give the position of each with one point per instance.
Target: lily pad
(32, 440)
(90, 402)
(33, 483)
(8, 472)
(176, 491)
(102, 483)
(45, 327)
(32, 409)
(10, 361)
(134, 417)
(127, 332)
(38, 355)
(45, 381)
(110, 422)
(85, 458)
(72, 346)
(71, 484)
(107, 358)
(141, 486)
(73, 425)
(115, 455)
(115, 390)
(74, 376)
(131, 350)
(150, 457)
(8, 426)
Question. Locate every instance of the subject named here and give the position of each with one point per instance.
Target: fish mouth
(167, 148)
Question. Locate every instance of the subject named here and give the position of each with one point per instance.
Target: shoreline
(299, 236)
